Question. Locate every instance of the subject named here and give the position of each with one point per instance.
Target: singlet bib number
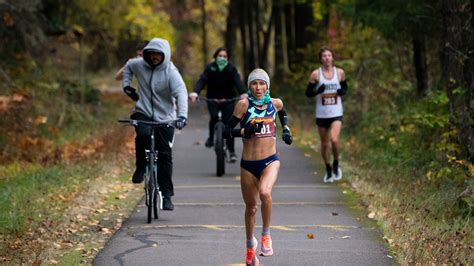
(268, 128)
(329, 99)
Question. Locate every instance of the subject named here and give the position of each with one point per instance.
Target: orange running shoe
(266, 249)
(250, 258)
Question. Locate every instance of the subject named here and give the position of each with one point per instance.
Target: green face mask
(221, 62)
(266, 99)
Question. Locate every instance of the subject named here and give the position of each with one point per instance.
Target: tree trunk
(231, 31)
(458, 72)
(281, 51)
(266, 43)
(243, 35)
(251, 35)
(257, 14)
(205, 53)
(183, 40)
(289, 24)
(469, 73)
(303, 19)
(419, 59)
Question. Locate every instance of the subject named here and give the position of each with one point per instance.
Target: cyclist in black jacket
(223, 81)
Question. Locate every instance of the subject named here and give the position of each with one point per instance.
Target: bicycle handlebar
(135, 123)
(224, 100)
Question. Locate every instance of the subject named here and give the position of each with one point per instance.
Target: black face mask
(147, 57)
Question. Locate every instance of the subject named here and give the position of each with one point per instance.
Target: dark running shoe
(167, 204)
(328, 176)
(138, 175)
(209, 143)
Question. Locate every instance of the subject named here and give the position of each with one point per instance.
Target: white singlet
(328, 103)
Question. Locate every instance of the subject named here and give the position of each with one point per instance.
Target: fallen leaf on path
(66, 244)
(389, 240)
(41, 120)
(93, 222)
(17, 97)
(101, 210)
(310, 236)
(307, 155)
(80, 217)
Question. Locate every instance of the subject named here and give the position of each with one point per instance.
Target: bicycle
(153, 197)
(219, 143)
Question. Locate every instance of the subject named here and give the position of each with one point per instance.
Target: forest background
(408, 126)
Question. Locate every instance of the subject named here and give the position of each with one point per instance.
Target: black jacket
(220, 84)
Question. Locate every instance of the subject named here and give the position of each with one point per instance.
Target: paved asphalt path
(207, 225)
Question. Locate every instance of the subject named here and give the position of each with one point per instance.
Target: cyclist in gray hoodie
(160, 89)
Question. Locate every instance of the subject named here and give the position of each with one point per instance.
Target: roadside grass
(421, 220)
(67, 222)
(121, 198)
(32, 193)
(26, 186)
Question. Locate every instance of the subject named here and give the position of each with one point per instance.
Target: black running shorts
(326, 122)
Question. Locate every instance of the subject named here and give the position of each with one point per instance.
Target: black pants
(227, 110)
(164, 138)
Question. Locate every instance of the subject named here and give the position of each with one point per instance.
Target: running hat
(260, 74)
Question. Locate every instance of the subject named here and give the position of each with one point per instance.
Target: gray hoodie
(159, 87)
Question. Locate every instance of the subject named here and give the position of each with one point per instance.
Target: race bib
(329, 99)
(268, 127)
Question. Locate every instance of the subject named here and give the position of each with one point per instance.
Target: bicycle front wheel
(219, 148)
(151, 188)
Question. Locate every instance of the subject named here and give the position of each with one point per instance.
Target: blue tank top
(266, 116)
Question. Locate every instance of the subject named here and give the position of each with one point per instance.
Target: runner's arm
(311, 89)
(239, 111)
(119, 74)
(343, 90)
(286, 135)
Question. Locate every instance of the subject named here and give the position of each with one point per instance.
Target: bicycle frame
(153, 196)
(152, 159)
(220, 146)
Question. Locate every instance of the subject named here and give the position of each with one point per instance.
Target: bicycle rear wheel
(157, 202)
(219, 148)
